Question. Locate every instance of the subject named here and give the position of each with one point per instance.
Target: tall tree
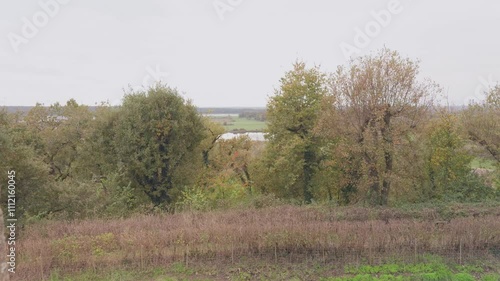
(157, 133)
(448, 164)
(375, 103)
(233, 156)
(58, 132)
(35, 195)
(292, 114)
(481, 122)
(213, 133)
(98, 157)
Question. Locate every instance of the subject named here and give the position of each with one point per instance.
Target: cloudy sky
(232, 52)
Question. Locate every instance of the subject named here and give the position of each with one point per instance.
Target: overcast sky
(232, 52)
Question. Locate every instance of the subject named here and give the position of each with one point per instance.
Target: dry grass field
(290, 234)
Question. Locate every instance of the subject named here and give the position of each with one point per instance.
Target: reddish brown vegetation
(284, 232)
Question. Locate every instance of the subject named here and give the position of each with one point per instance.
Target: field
(484, 163)
(427, 269)
(231, 123)
(283, 242)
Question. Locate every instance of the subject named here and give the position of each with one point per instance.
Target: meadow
(231, 123)
(429, 268)
(273, 242)
(483, 163)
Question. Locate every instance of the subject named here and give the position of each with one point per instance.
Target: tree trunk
(375, 185)
(494, 152)
(388, 157)
(206, 161)
(308, 170)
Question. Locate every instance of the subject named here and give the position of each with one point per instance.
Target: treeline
(370, 133)
(259, 115)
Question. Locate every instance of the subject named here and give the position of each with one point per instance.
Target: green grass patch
(429, 268)
(483, 163)
(236, 123)
(174, 272)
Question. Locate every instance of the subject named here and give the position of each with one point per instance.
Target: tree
(447, 163)
(213, 133)
(233, 157)
(292, 114)
(34, 193)
(57, 133)
(157, 134)
(98, 156)
(482, 125)
(375, 104)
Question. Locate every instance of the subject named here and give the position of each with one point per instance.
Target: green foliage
(291, 157)
(491, 277)
(294, 109)
(448, 165)
(67, 249)
(193, 199)
(180, 268)
(279, 171)
(221, 194)
(98, 157)
(117, 198)
(226, 179)
(104, 243)
(111, 275)
(433, 269)
(355, 137)
(396, 268)
(481, 124)
(376, 102)
(80, 200)
(57, 134)
(213, 132)
(33, 182)
(483, 163)
(232, 159)
(158, 133)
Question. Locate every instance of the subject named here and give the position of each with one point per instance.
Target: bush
(224, 195)
(193, 199)
(81, 200)
(470, 188)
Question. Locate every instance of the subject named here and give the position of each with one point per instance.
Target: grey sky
(90, 50)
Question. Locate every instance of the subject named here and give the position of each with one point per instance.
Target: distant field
(479, 162)
(220, 115)
(233, 122)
